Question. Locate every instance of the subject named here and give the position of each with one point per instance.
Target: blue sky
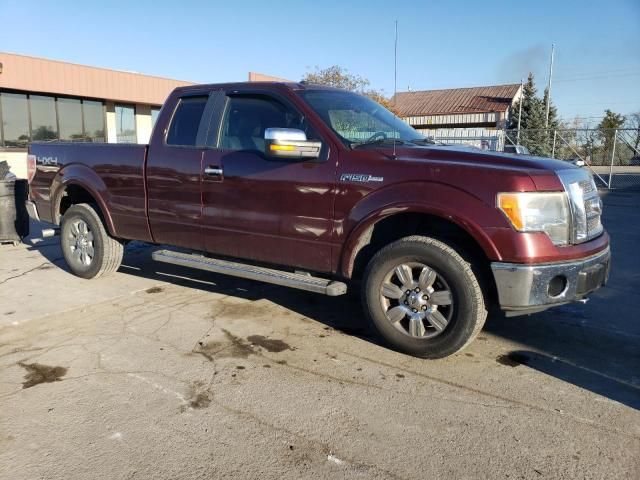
(441, 44)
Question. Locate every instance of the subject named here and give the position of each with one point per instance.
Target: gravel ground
(163, 372)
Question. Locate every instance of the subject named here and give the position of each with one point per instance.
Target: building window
(43, 118)
(93, 115)
(32, 117)
(70, 119)
(15, 119)
(154, 116)
(125, 123)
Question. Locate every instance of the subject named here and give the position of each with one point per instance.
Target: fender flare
(84, 177)
(369, 211)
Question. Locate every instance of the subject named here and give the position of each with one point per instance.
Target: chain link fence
(612, 155)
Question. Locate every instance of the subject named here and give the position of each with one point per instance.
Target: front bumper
(524, 289)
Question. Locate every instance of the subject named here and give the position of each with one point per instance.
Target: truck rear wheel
(423, 298)
(86, 245)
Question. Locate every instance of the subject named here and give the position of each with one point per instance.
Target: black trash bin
(14, 219)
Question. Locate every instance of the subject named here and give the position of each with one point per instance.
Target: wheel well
(402, 225)
(75, 194)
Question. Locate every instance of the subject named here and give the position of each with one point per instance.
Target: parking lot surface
(165, 372)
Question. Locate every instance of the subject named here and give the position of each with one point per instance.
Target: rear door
(174, 171)
(260, 208)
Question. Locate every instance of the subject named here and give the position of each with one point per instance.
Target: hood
(472, 156)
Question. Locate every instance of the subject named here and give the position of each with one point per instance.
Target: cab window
(247, 117)
(185, 123)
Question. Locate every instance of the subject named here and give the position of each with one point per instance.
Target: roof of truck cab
(251, 85)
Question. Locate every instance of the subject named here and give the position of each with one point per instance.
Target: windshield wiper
(379, 141)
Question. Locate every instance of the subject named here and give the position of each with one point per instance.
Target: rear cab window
(186, 125)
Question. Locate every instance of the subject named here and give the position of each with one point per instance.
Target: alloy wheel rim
(416, 300)
(80, 243)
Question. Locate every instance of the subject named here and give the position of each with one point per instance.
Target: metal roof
(496, 98)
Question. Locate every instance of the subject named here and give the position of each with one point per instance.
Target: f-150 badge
(359, 177)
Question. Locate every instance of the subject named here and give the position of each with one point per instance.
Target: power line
(603, 103)
(606, 70)
(597, 77)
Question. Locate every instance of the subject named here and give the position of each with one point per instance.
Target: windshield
(358, 120)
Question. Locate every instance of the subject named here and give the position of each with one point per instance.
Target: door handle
(213, 171)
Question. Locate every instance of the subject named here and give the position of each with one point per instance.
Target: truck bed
(112, 173)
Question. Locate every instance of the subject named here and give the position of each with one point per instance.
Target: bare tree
(339, 77)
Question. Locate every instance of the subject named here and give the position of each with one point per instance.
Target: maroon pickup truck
(321, 189)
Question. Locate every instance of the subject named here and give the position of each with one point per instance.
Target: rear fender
(85, 177)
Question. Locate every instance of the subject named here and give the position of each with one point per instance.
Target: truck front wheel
(423, 298)
(86, 245)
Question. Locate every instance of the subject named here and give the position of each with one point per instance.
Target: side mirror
(290, 143)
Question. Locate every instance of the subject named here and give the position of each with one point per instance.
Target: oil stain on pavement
(236, 347)
(38, 373)
(269, 344)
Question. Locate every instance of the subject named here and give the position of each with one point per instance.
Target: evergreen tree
(527, 99)
(533, 132)
(607, 128)
(554, 122)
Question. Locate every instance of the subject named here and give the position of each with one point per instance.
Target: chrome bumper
(32, 210)
(524, 289)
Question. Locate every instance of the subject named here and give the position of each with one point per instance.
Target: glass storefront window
(70, 119)
(154, 115)
(15, 119)
(125, 123)
(43, 118)
(93, 120)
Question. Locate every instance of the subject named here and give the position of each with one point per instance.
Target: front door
(265, 209)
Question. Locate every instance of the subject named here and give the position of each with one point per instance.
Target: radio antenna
(395, 81)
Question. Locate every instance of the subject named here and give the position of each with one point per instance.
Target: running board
(300, 281)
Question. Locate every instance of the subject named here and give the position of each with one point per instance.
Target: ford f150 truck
(322, 189)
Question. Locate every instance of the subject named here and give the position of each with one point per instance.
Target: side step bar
(294, 280)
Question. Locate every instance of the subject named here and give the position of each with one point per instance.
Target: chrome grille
(588, 186)
(592, 208)
(586, 206)
(594, 225)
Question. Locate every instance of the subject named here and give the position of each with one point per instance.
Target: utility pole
(546, 122)
(520, 109)
(395, 64)
(395, 81)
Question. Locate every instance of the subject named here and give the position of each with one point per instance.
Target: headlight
(546, 212)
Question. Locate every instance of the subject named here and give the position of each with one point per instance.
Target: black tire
(467, 312)
(107, 251)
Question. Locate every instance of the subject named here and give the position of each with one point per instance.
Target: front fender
(85, 177)
(450, 203)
